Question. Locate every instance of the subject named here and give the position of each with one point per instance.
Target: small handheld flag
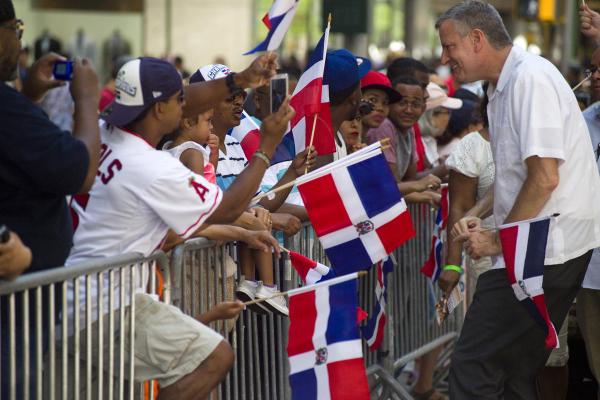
(310, 100)
(433, 266)
(373, 331)
(278, 21)
(359, 216)
(310, 271)
(524, 250)
(324, 348)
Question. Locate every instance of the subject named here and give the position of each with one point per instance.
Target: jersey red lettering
(110, 171)
(200, 189)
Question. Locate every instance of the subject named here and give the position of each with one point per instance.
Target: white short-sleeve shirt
(138, 195)
(472, 157)
(533, 112)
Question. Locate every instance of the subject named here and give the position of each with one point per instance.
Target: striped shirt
(231, 164)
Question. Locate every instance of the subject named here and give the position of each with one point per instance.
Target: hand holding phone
(63, 70)
(278, 90)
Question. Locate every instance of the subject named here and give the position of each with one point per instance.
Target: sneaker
(275, 304)
(246, 291)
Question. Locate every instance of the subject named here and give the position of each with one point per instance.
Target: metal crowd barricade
(48, 356)
(201, 279)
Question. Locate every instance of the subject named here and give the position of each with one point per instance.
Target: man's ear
(478, 39)
(159, 109)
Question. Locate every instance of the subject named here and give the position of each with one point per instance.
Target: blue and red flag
(278, 21)
(310, 100)
(374, 330)
(524, 250)
(433, 266)
(309, 270)
(356, 210)
(324, 347)
(248, 134)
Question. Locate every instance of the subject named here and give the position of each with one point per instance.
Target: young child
(189, 145)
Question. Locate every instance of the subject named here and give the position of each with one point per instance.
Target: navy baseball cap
(343, 70)
(141, 83)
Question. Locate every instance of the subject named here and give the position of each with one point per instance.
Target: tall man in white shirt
(544, 165)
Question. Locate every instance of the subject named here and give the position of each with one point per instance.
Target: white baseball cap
(439, 98)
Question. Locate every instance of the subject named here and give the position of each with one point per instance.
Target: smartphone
(63, 70)
(4, 234)
(278, 90)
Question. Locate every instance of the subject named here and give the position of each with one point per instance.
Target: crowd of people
(149, 161)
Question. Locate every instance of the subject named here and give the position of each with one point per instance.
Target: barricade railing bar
(85, 356)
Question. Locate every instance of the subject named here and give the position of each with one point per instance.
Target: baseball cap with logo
(344, 70)
(141, 83)
(210, 72)
(377, 80)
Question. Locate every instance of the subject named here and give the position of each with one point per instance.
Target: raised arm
(202, 96)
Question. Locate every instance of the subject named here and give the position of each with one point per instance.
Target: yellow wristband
(455, 268)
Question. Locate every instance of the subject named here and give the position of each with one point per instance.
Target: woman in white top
(471, 176)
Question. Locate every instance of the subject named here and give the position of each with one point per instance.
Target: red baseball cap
(377, 80)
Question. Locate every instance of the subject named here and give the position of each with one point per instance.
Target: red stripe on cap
(508, 238)
(396, 232)
(324, 205)
(348, 380)
(303, 317)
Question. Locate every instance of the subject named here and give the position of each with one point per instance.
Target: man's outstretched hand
(259, 73)
(590, 23)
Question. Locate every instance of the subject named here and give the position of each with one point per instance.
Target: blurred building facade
(202, 30)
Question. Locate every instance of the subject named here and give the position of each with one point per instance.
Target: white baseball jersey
(139, 193)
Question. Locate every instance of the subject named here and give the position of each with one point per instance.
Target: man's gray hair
(476, 14)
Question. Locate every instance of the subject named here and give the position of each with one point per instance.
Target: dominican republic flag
(433, 266)
(248, 134)
(374, 330)
(309, 270)
(310, 100)
(356, 210)
(324, 347)
(524, 250)
(278, 21)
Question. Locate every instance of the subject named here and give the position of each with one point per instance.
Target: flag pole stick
(312, 138)
(284, 249)
(582, 82)
(255, 301)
